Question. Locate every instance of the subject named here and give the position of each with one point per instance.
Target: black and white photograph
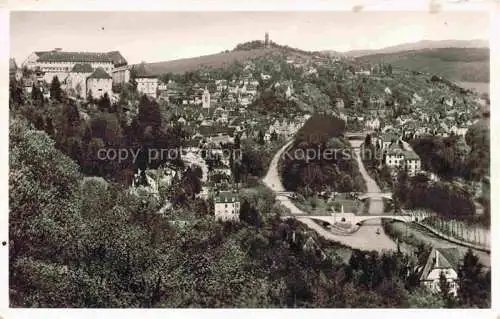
(249, 159)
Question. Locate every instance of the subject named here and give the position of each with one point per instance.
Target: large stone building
(60, 63)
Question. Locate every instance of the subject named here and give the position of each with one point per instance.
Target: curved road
(364, 238)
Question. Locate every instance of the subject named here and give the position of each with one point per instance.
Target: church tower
(266, 41)
(206, 99)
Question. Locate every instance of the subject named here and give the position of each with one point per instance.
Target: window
(226, 206)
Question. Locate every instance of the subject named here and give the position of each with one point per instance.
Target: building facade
(147, 86)
(399, 158)
(227, 206)
(121, 75)
(60, 63)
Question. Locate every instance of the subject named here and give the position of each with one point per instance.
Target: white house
(398, 158)
(441, 260)
(227, 206)
(147, 85)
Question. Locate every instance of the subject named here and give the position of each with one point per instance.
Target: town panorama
(263, 176)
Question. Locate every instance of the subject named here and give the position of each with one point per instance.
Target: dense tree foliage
(320, 158)
(449, 200)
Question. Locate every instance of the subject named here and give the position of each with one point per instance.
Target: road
(364, 238)
(376, 204)
(272, 179)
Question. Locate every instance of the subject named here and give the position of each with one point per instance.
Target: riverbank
(415, 234)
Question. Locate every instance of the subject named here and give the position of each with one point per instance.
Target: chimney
(437, 259)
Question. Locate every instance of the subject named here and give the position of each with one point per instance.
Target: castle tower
(266, 41)
(206, 99)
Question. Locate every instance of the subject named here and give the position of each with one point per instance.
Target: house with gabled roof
(441, 260)
(99, 83)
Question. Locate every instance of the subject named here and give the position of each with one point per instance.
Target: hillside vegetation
(458, 64)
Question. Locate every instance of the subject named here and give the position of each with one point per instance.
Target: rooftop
(82, 68)
(99, 73)
(117, 58)
(226, 197)
(61, 56)
(446, 258)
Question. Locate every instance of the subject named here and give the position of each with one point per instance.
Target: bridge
(374, 195)
(286, 194)
(359, 219)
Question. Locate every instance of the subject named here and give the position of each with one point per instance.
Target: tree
(274, 136)
(34, 92)
(421, 298)
(260, 138)
(444, 289)
(90, 98)
(55, 89)
(104, 103)
(368, 141)
(473, 284)
(249, 214)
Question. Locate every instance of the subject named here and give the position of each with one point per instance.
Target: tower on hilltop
(266, 41)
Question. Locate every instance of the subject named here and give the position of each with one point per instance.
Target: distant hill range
(460, 61)
(420, 45)
(465, 62)
(213, 60)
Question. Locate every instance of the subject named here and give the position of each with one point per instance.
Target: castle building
(266, 41)
(60, 63)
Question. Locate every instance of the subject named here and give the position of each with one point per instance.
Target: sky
(162, 36)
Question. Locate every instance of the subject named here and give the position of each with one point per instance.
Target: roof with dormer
(226, 197)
